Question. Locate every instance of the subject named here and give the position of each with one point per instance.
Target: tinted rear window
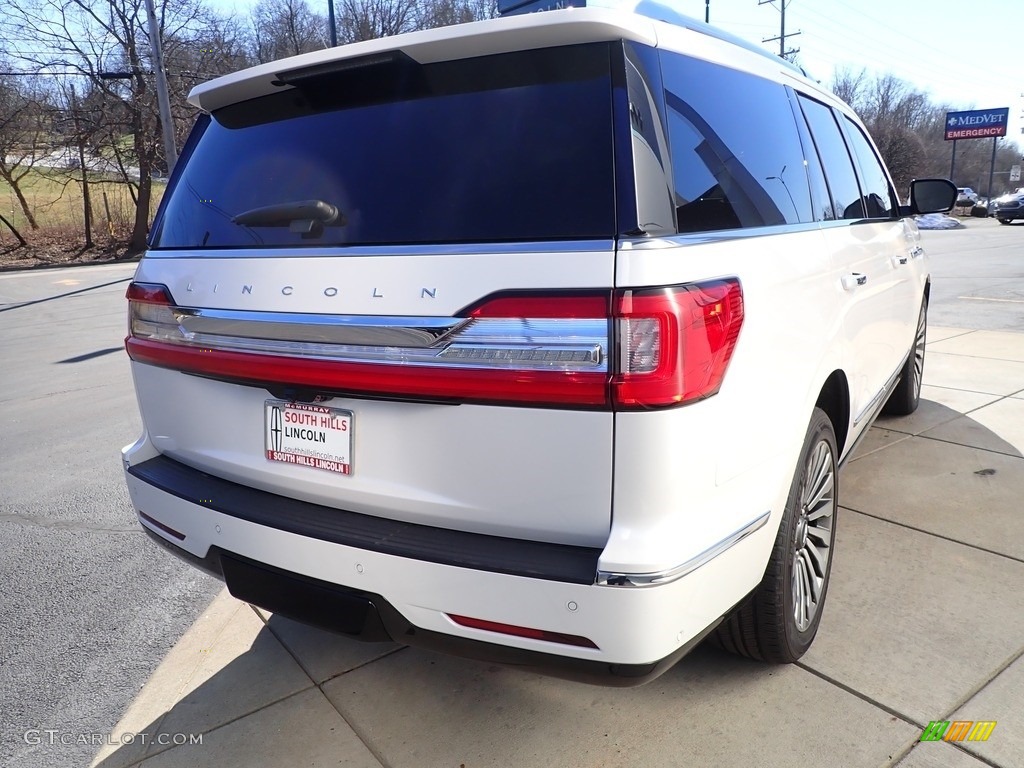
(509, 147)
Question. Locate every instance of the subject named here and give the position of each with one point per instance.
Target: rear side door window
(835, 157)
(821, 201)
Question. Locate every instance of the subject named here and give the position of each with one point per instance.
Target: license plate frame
(309, 435)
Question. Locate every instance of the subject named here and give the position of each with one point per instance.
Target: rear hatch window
(511, 147)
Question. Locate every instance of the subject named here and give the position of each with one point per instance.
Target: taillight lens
(151, 312)
(634, 349)
(674, 343)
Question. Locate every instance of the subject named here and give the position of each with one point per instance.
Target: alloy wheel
(813, 545)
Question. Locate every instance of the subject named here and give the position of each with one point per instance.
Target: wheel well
(834, 400)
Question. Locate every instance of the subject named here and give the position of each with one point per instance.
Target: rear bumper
(375, 579)
(370, 617)
(498, 554)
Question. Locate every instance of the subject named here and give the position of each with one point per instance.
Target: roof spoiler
(659, 10)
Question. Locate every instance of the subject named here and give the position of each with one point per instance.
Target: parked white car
(965, 196)
(517, 339)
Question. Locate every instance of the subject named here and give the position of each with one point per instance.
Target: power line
(37, 74)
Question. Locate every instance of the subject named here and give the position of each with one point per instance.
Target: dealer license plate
(308, 435)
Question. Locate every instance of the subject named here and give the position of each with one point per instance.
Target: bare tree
(370, 19)
(286, 28)
(849, 86)
(89, 37)
(25, 125)
(443, 13)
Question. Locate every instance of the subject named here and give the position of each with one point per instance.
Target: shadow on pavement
(924, 612)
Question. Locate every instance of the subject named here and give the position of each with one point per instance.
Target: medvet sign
(976, 124)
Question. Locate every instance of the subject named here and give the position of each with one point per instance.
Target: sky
(964, 53)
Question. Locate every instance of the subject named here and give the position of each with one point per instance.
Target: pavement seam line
(957, 415)
(903, 436)
(320, 686)
(967, 445)
(862, 696)
(976, 357)
(370, 747)
(906, 749)
(968, 391)
(933, 533)
(963, 332)
(275, 702)
(901, 754)
(270, 629)
(365, 664)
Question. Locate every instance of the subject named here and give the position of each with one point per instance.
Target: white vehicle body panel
(695, 492)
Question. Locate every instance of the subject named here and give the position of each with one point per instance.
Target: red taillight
(674, 343)
(423, 382)
(517, 631)
(151, 293)
(631, 350)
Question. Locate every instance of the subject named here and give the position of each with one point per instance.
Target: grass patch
(55, 198)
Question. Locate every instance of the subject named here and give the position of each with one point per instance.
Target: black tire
(1003, 221)
(767, 627)
(907, 394)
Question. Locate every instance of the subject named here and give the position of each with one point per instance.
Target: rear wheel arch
(834, 400)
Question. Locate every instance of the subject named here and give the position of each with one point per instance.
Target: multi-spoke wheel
(907, 394)
(779, 621)
(813, 542)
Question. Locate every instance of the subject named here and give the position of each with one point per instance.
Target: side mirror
(930, 196)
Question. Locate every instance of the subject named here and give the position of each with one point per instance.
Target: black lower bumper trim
(497, 554)
(369, 617)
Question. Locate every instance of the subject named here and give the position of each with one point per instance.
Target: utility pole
(80, 140)
(334, 27)
(163, 100)
(992, 166)
(783, 53)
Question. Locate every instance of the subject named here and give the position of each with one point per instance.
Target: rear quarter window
(737, 160)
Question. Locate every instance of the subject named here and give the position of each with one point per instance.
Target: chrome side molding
(657, 578)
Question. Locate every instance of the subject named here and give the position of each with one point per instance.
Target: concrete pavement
(924, 621)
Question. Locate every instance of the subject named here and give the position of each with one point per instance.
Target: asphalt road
(88, 606)
(977, 275)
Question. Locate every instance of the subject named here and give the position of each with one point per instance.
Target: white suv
(539, 339)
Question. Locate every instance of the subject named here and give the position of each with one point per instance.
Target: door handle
(851, 281)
